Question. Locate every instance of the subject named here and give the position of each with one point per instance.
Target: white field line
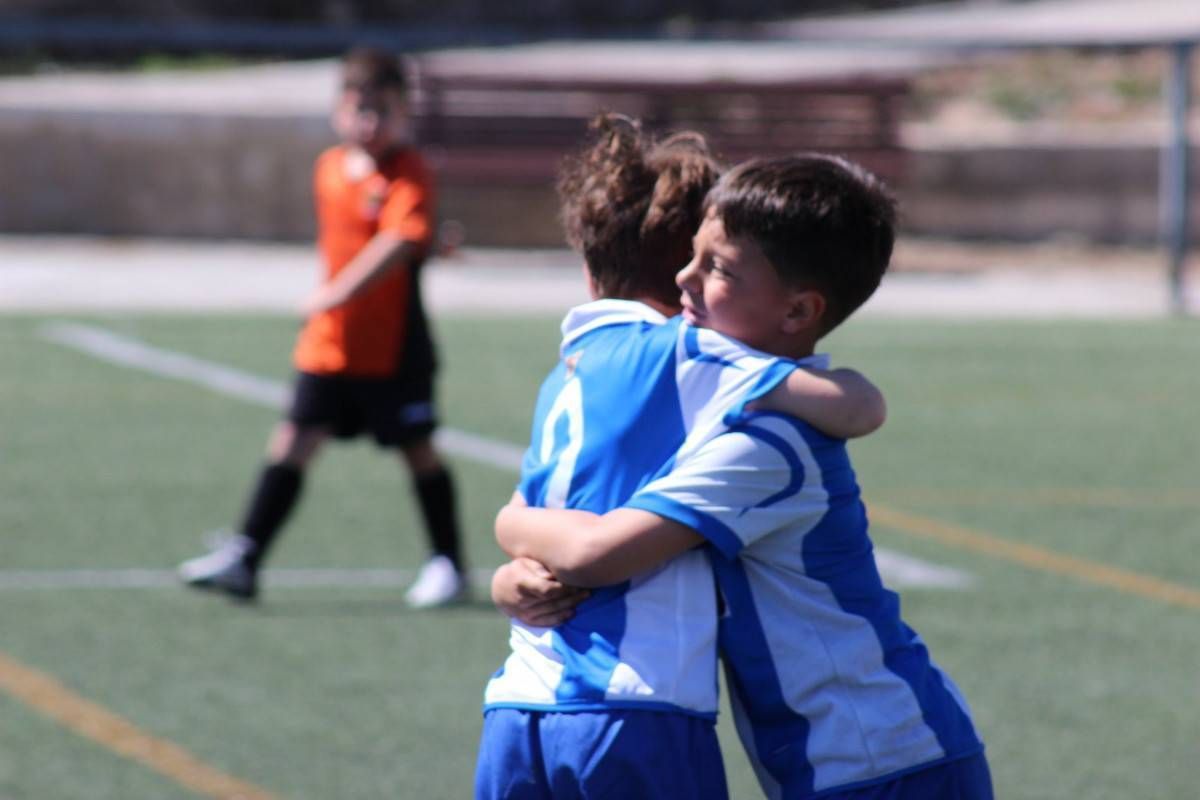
(898, 570)
(133, 578)
(906, 572)
(127, 352)
(117, 349)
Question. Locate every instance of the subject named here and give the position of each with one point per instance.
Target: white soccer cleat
(224, 570)
(438, 583)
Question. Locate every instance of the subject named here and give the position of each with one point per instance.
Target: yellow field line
(97, 723)
(1112, 497)
(1038, 557)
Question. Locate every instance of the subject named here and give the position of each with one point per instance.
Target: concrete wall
(1027, 191)
(246, 176)
(158, 174)
(206, 175)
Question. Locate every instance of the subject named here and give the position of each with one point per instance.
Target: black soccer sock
(273, 499)
(435, 491)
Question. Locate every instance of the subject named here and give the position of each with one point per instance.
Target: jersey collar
(815, 361)
(600, 313)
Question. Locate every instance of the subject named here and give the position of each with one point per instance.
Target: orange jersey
(366, 335)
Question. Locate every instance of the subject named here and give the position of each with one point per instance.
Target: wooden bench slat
(518, 128)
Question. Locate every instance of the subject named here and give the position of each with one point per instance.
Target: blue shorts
(585, 755)
(963, 779)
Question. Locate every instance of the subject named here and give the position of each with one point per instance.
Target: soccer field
(1053, 464)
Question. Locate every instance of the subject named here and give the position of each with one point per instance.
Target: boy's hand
(525, 590)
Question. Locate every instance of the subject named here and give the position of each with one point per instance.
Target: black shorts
(396, 410)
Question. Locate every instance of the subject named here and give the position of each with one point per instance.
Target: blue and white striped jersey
(829, 688)
(630, 388)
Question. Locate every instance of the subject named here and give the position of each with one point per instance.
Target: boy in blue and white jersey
(833, 695)
(624, 693)
(830, 689)
(633, 380)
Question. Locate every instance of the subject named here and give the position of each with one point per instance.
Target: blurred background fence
(223, 146)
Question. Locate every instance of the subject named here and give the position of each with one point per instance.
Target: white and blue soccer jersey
(829, 688)
(630, 389)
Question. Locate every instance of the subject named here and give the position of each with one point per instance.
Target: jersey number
(568, 404)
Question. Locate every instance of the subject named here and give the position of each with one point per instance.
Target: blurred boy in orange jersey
(364, 359)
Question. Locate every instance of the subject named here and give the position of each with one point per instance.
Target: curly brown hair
(631, 204)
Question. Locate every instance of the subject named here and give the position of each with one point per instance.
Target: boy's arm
(840, 402)
(703, 499)
(385, 253)
(583, 549)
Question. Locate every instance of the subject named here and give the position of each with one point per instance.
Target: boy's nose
(685, 275)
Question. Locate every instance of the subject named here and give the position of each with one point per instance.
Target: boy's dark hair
(631, 206)
(366, 69)
(823, 223)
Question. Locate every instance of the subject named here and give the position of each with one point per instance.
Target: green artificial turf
(1077, 438)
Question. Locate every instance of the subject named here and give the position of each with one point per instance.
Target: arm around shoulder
(841, 403)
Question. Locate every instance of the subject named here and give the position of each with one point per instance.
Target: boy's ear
(805, 311)
(593, 287)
